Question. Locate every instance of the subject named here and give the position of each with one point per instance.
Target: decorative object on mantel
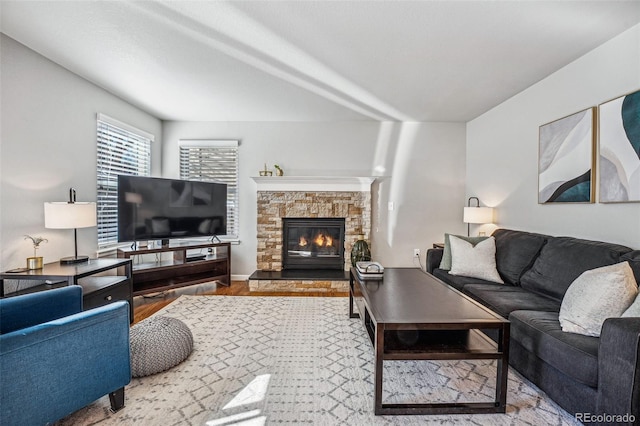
(279, 171)
(566, 159)
(619, 128)
(360, 251)
(266, 172)
(35, 262)
(70, 215)
(477, 214)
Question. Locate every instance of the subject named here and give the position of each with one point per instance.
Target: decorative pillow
(596, 295)
(477, 261)
(634, 309)
(445, 263)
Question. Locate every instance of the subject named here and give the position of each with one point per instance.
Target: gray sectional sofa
(594, 378)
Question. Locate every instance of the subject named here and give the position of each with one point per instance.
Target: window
(122, 150)
(214, 160)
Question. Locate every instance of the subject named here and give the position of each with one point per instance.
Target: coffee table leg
(379, 349)
(503, 368)
(352, 312)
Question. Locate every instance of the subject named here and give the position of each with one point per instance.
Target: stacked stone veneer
(354, 207)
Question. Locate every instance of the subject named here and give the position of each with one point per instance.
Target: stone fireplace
(313, 243)
(285, 197)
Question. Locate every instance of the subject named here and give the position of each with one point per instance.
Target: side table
(96, 290)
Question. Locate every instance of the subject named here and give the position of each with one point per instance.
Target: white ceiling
(315, 60)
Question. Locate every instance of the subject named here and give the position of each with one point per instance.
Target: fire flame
(320, 240)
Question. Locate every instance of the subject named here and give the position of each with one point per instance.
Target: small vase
(34, 262)
(360, 251)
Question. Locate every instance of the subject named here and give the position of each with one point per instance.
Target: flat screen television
(156, 208)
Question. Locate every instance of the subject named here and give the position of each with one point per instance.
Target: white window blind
(214, 161)
(122, 150)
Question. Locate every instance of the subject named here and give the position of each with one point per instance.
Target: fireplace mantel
(314, 183)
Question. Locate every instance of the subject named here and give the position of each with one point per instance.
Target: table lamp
(476, 214)
(70, 215)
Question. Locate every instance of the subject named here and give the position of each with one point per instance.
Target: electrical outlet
(416, 252)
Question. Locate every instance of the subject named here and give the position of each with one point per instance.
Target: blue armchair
(56, 358)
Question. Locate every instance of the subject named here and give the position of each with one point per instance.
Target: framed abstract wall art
(566, 159)
(619, 149)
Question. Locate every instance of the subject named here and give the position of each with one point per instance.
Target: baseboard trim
(239, 277)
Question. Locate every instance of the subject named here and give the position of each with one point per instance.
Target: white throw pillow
(477, 261)
(596, 295)
(634, 309)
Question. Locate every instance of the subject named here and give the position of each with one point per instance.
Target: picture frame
(566, 159)
(619, 149)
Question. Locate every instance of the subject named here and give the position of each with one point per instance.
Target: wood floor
(237, 288)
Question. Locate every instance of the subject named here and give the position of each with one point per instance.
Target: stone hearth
(280, 197)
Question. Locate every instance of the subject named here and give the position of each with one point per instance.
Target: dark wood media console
(150, 276)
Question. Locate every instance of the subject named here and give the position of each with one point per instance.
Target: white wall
(502, 146)
(423, 165)
(48, 145)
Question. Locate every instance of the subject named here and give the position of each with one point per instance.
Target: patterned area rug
(301, 360)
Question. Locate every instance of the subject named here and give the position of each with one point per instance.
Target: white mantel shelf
(314, 183)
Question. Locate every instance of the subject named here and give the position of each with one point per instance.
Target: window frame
(114, 142)
(230, 177)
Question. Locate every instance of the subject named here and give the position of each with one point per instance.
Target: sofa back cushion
(563, 259)
(633, 257)
(515, 252)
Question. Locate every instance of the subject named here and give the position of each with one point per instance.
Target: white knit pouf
(157, 344)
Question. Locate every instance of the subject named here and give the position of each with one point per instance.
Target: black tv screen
(156, 208)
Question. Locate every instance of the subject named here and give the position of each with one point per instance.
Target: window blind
(214, 161)
(122, 150)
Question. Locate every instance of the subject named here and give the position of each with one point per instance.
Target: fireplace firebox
(313, 243)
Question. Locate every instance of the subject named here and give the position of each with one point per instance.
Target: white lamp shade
(478, 215)
(62, 215)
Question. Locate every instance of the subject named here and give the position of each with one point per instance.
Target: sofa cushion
(477, 260)
(573, 354)
(563, 259)
(633, 257)
(596, 295)
(445, 263)
(516, 252)
(504, 299)
(458, 281)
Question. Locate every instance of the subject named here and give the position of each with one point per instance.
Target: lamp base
(70, 260)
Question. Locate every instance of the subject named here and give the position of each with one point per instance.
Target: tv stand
(194, 258)
(157, 274)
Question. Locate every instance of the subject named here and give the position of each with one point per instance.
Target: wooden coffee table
(442, 324)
